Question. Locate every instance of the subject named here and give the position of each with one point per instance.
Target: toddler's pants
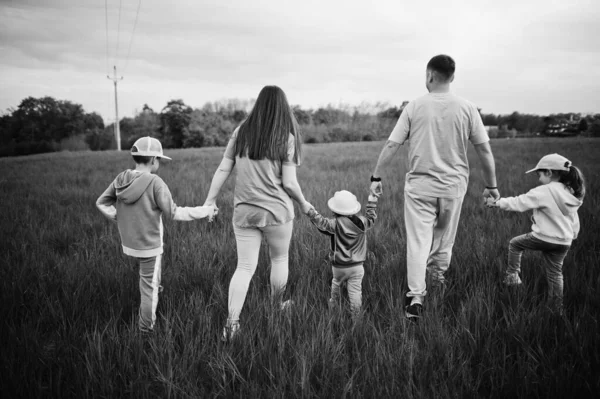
(150, 274)
(248, 242)
(431, 225)
(353, 277)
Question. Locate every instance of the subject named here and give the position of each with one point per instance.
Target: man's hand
(493, 193)
(376, 189)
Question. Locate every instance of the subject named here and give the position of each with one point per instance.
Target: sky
(530, 56)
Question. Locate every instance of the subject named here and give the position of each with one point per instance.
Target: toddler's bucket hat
(148, 147)
(344, 203)
(552, 162)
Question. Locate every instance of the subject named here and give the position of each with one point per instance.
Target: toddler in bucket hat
(348, 252)
(344, 203)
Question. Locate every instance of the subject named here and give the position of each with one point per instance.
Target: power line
(118, 32)
(106, 17)
(132, 34)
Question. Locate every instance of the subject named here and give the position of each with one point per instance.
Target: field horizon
(70, 297)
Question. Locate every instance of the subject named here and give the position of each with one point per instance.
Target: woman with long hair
(266, 148)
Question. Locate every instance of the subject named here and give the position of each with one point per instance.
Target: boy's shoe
(512, 279)
(286, 306)
(413, 310)
(230, 331)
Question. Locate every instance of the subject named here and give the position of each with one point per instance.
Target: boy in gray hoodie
(137, 199)
(347, 231)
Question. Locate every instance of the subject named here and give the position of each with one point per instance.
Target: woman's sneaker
(230, 331)
(512, 279)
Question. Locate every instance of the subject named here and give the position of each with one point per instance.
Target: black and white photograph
(299, 199)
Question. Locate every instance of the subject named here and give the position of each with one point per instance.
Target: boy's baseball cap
(552, 162)
(344, 203)
(148, 147)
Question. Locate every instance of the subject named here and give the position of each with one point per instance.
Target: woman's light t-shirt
(438, 127)
(259, 199)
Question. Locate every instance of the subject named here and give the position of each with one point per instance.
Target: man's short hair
(442, 64)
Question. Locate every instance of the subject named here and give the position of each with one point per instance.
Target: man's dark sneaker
(413, 311)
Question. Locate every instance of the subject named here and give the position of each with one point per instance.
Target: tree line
(46, 124)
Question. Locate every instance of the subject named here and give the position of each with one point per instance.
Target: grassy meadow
(69, 297)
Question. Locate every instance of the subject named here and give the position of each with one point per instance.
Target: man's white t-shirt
(437, 127)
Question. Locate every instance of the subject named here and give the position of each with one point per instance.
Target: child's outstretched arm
(106, 202)
(164, 200)
(522, 203)
(325, 225)
(370, 213)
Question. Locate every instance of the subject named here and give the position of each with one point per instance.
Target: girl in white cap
(555, 221)
(348, 243)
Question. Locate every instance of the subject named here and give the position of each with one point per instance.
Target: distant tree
(489, 119)
(390, 113)
(40, 124)
(583, 125)
(594, 129)
(239, 115)
(174, 121)
(302, 116)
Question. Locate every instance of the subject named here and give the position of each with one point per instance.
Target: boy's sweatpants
(150, 273)
(431, 225)
(353, 277)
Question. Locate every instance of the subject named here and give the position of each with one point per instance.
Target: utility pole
(116, 125)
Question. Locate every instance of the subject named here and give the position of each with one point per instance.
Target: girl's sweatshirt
(554, 208)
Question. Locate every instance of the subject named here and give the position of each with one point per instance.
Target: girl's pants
(554, 254)
(353, 277)
(248, 242)
(431, 225)
(150, 273)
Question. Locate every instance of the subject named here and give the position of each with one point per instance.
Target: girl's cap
(344, 203)
(148, 147)
(552, 162)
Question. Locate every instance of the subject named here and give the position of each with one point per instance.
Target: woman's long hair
(573, 179)
(265, 132)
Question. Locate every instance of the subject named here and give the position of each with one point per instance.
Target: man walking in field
(437, 127)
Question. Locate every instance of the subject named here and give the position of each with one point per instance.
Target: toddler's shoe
(512, 279)
(230, 330)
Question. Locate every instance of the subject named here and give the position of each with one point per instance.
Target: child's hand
(373, 198)
(215, 212)
(305, 207)
(490, 202)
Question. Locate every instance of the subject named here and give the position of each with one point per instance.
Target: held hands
(490, 196)
(305, 207)
(376, 189)
(213, 214)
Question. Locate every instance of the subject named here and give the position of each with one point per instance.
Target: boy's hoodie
(141, 198)
(348, 238)
(555, 218)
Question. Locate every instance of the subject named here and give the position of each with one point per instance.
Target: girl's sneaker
(230, 330)
(512, 279)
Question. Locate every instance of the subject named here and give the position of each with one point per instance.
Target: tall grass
(69, 297)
